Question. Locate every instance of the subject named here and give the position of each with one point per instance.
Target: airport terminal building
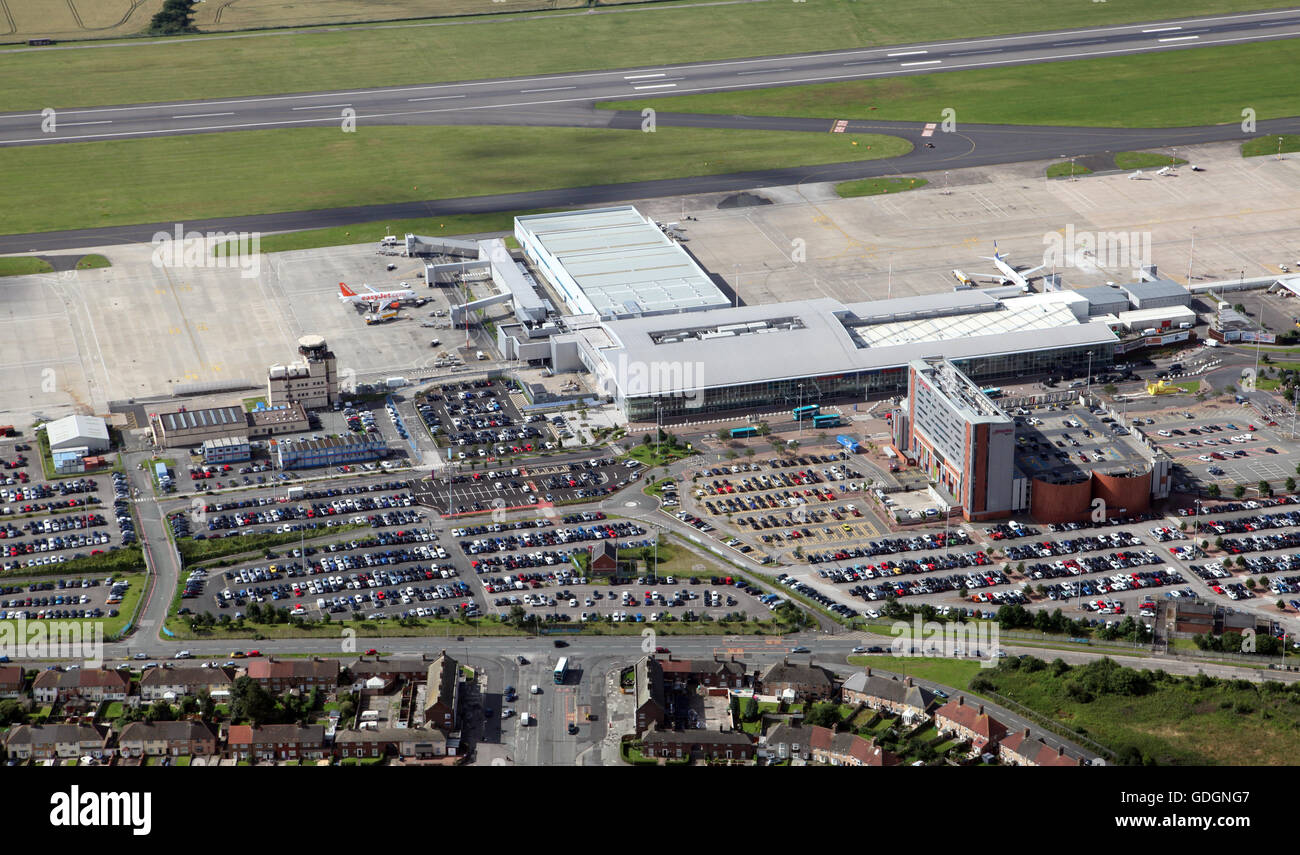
(994, 464)
(809, 351)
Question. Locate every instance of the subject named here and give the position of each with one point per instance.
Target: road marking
(764, 71)
(922, 62)
(1178, 38)
(549, 89)
(643, 76)
(1162, 29)
(322, 107)
(839, 127)
(658, 86)
(436, 98)
(74, 124)
(201, 115)
(908, 53)
(929, 130)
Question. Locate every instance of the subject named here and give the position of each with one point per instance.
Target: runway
(551, 99)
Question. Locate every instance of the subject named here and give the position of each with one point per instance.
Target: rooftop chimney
(907, 681)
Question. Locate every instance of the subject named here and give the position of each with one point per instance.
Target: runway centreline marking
(908, 53)
(921, 62)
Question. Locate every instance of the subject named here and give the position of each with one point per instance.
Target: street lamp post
(799, 406)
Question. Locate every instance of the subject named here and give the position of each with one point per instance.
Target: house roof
(442, 681)
(243, 734)
(48, 734)
(655, 736)
(890, 689)
(271, 669)
(390, 734)
(795, 672)
(82, 678)
(701, 666)
(186, 676)
(648, 680)
(145, 731)
(11, 675)
(408, 665)
(1037, 751)
(973, 718)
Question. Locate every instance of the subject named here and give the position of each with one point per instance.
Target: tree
(1110, 389)
(207, 706)
(1239, 490)
(249, 700)
(1213, 491)
(160, 710)
(1264, 488)
(12, 712)
(1290, 485)
(175, 16)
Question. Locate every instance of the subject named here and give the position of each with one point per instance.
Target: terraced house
(167, 738)
(169, 683)
(901, 697)
(442, 693)
(796, 681)
(276, 742)
(50, 741)
(390, 671)
(278, 676)
(960, 719)
(847, 749)
(11, 681)
(648, 686)
(680, 744)
(711, 673)
(1021, 749)
(415, 743)
(91, 684)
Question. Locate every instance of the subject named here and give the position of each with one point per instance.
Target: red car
(372, 652)
(662, 650)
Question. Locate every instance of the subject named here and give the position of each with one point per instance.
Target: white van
(525, 719)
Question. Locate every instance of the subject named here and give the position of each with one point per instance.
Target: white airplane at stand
(1009, 273)
(380, 298)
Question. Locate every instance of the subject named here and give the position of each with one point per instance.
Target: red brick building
(278, 676)
(972, 723)
(276, 742)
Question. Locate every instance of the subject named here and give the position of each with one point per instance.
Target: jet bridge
(516, 283)
(417, 245)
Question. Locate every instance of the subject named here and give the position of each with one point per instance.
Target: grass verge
(134, 181)
(23, 266)
(1261, 146)
(878, 186)
(94, 261)
(1201, 86)
(1065, 169)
